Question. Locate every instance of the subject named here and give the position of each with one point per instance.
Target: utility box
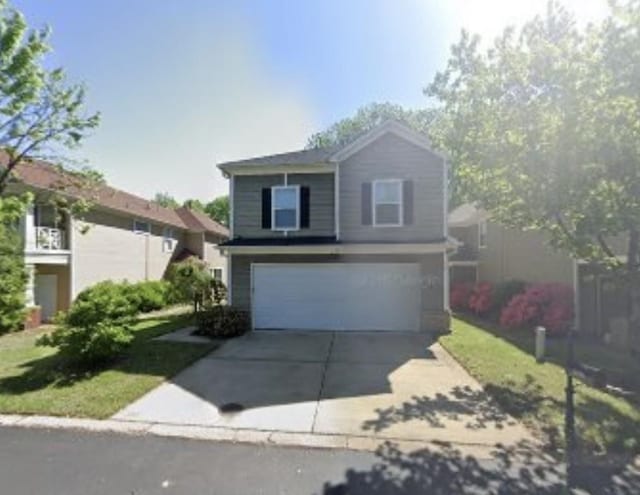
(541, 337)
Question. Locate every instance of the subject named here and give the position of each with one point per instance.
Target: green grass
(35, 380)
(534, 393)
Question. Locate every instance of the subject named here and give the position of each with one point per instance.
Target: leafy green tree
(13, 276)
(165, 199)
(40, 115)
(194, 204)
(218, 209)
(369, 117)
(542, 130)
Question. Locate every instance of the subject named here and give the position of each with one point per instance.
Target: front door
(46, 295)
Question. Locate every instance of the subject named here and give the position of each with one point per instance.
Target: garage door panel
(335, 296)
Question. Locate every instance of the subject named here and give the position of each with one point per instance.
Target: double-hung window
(168, 240)
(141, 227)
(285, 207)
(387, 202)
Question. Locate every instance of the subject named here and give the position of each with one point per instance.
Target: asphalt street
(63, 462)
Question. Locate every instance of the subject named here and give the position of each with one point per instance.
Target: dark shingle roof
(300, 157)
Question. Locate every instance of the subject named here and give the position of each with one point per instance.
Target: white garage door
(337, 296)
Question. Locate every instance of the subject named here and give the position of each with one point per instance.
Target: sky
(184, 84)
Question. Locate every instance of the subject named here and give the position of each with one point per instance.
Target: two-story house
(349, 238)
(122, 237)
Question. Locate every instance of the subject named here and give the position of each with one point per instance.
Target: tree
(218, 209)
(194, 204)
(165, 199)
(40, 115)
(368, 117)
(542, 130)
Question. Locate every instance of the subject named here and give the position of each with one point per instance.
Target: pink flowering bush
(548, 304)
(459, 296)
(481, 298)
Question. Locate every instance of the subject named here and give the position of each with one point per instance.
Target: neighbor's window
(216, 273)
(482, 234)
(387, 202)
(140, 227)
(168, 240)
(285, 207)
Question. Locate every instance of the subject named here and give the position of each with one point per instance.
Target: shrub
(481, 298)
(222, 322)
(459, 296)
(148, 296)
(190, 280)
(503, 293)
(90, 345)
(105, 301)
(549, 304)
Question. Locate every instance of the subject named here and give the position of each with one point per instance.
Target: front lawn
(534, 393)
(35, 380)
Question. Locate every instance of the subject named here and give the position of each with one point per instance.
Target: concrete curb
(220, 434)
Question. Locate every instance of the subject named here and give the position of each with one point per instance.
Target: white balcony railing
(49, 238)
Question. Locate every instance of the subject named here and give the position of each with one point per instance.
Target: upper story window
(216, 273)
(141, 227)
(285, 207)
(387, 202)
(482, 234)
(168, 240)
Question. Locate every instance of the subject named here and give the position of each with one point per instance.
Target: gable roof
(44, 176)
(196, 221)
(330, 155)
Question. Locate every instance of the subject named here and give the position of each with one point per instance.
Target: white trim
(392, 127)
(374, 204)
(72, 259)
(381, 248)
(462, 263)
(296, 187)
(445, 270)
(317, 168)
(336, 200)
(445, 198)
(231, 198)
(40, 258)
(229, 280)
(251, 291)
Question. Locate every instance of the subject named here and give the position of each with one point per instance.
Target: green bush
(103, 302)
(148, 296)
(222, 322)
(91, 345)
(502, 294)
(13, 276)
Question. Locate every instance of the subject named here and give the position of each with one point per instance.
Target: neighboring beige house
(490, 252)
(126, 238)
(349, 238)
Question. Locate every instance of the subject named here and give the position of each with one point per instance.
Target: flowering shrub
(480, 300)
(549, 305)
(459, 296)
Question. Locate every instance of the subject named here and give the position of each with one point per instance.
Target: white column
(30, 289)
(29, 226)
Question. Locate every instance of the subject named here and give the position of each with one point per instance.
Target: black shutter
(367, 218)
(266, 208)
(304, 207)
(407, 198)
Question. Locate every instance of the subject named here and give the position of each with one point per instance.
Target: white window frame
(138, 231)
(168, 235)
(482, 234)
(212, 272)
(400, 204)
(274, 189)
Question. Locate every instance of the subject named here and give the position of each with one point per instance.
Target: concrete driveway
(381, 385)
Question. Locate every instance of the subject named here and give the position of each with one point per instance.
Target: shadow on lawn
(143, 357)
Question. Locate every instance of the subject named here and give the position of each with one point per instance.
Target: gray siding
(392, 157)
(247, 207)
(431, 265)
